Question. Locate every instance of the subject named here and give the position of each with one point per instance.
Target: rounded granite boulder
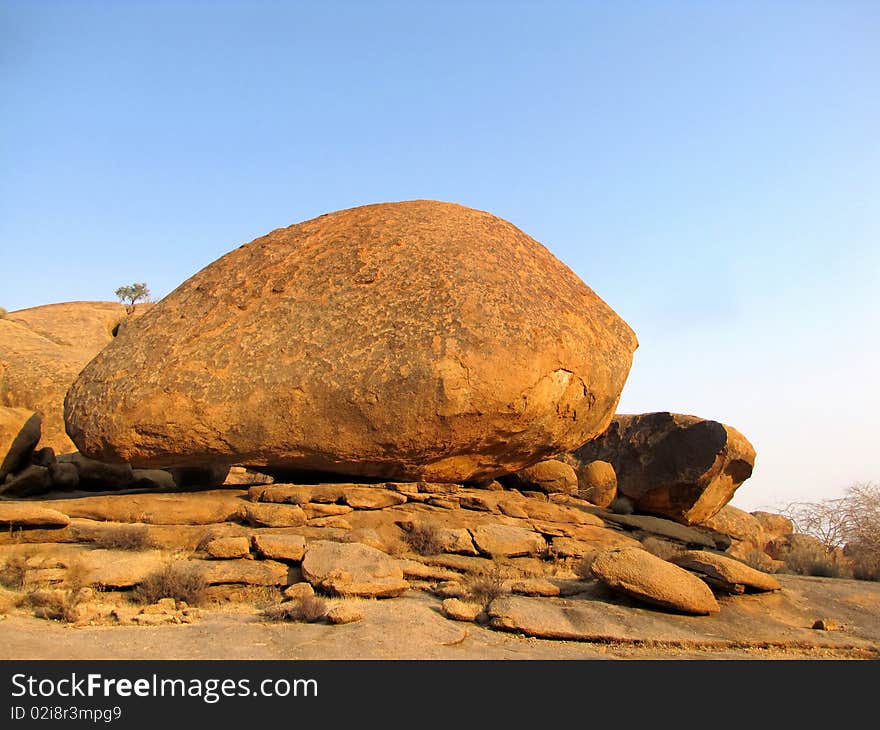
(412, 340)
(639, 574)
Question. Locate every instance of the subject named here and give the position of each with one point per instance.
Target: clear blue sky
(711, 169)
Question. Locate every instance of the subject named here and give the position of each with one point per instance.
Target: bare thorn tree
(851, 522)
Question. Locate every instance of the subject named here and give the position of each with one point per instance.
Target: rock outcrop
(413, 340)
(774, 525)
(748, 538)
(677, 466)
(43, 349)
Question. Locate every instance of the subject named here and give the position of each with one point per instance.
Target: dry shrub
(805, 559)
(124, 537)
(76, 576)
(424, 539)
(57, 605)
(864, 568)
(483, 588)
(662, 548)
(62, 604)
(265, 596)
(178, 580)
(852, 521)
(13, 571)
(307, 609)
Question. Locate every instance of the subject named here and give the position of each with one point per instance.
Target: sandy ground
(412, 627)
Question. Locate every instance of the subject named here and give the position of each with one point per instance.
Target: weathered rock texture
(418, 340)
(551, 476)
(18, 514)
(725, 574)
(646, 577)
(43, 349)
(597, 482)
(682, 467)
(352, 569)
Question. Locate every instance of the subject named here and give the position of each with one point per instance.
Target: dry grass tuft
(124, 537)
(13, 571)
(178, 580)
(307, 609)
(424, 539)
(483, 588)
(816, 561)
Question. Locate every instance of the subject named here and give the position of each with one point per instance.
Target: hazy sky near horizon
(712, 170)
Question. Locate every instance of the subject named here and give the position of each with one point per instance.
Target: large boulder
(43, 349)
(677, 466)
(645, 577)
(551, 476)
(19, 434)
(417, 340)
(597, 482)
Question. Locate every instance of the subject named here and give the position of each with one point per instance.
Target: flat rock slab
(185, 508)
(248, 572)
(361, 498)
(328, 494)
(31, 514)
(601, 538)
(421, 571)
(725, 573)
(645, 577)
(508, 540)
(226, 548)
(460, 563)
(274, 515)
(669, 529)
(119, 568)
(534, 587)
(314, 510)
(550, 512)
(782, 618)
(352, 569)
(165, 537)
(280, 547)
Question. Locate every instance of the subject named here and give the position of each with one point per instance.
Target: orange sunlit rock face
(413, 340)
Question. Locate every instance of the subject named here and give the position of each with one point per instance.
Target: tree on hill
(130, 295)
